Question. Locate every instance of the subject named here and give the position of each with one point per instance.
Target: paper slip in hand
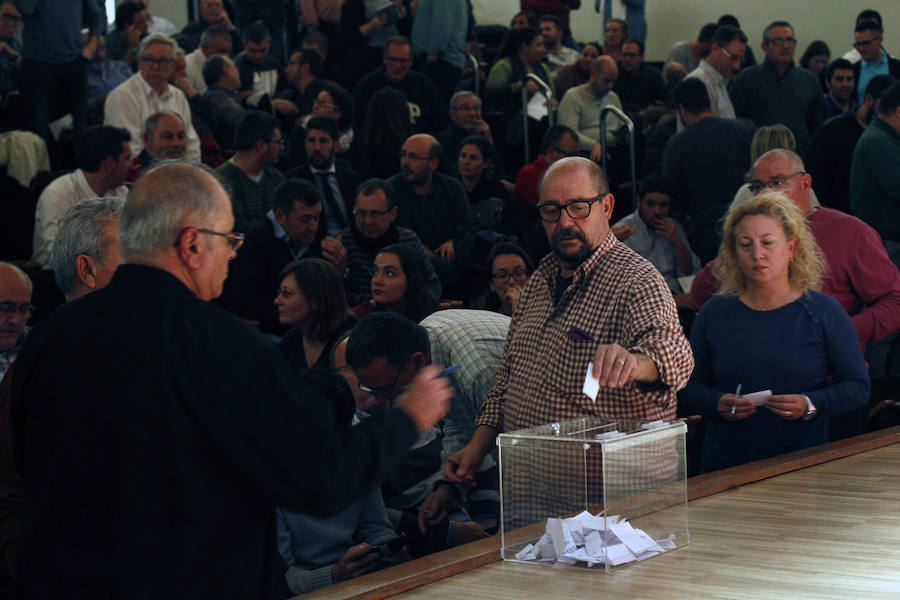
(758, 398)
(591, 384)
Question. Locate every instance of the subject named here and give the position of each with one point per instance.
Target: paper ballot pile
(593, 540)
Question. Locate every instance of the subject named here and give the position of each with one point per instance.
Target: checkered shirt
(615, 296)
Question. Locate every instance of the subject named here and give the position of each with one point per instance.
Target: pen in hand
(737, 393)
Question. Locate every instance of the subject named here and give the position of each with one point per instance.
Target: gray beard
(570, 261)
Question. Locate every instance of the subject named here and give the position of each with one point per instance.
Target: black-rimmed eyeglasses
(577, 209)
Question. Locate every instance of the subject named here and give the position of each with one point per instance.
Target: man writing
(159, 453)
(591, 300)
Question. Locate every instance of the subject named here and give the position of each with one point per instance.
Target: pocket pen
(737, 393)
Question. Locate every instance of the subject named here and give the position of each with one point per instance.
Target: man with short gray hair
(174, 416)
(777, 90)
(215, 40)
(147, 92)
(86, 251)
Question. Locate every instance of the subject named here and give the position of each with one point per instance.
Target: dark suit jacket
(348, 181)
(253, 280)
(156, 434)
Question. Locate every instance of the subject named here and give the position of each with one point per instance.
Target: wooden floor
(830, 531)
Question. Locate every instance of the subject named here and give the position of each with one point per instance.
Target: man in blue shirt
(875, 59)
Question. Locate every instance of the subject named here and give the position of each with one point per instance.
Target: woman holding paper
(769, 330)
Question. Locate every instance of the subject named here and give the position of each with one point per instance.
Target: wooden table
(829, 531)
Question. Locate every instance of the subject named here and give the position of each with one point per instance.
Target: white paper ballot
(591, 384)
(758, 398)
(537, 107)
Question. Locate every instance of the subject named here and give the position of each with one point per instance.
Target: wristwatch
(811, 410)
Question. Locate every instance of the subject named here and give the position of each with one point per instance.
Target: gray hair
(462, 94)
(158, 38)
(82, 230)
(153, 120)
(162, 203)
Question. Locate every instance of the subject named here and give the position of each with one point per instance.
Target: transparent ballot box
(593, 492)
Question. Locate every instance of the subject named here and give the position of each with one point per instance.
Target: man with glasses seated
(433, 205)
(592, 300)
(426, 109)
(778, 91)
(385, 352)
(718, 69)
(374, 215)
(15, 310)
(147, 92)
(249, 175)
(466, 117)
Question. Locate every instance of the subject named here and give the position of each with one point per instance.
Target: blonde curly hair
(808, 264)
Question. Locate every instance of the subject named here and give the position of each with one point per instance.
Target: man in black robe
(156, 433)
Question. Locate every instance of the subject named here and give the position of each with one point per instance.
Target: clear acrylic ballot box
(593, 492)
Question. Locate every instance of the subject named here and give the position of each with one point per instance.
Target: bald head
(15, 300)
(604, 73)
(783, 170)
(419, 159)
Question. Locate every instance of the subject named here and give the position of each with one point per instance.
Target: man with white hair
(149, 420)
(86, 251)
(147, 92)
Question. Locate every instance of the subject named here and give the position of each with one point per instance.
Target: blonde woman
(769, 329)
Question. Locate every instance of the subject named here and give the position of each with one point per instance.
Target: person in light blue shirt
(656, 236)
(874, 58)
(438, 39)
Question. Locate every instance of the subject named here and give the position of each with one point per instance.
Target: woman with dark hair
(311, 301)
(815, 59)
(521, 55)
(509, 268)
(333, 102)
(476, 171)
(386, 128)
(578, 72)
(398, 285)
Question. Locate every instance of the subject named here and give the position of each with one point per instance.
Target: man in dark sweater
(709, 179)
(373, 228)
(426, 111)
(778, 91)
(831, 150)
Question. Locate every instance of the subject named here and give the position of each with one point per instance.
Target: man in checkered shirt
(591, 300)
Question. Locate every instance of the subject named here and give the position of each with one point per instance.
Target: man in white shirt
(729, 44)
(148, 92)
(103, 159)
(215, 40)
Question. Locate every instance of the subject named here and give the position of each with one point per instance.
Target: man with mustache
(592, 300)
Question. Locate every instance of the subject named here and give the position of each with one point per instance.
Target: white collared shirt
(129, 105)
(55, 200)
(193, 66)
(717, 86)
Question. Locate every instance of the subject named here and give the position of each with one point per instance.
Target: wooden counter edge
(429, 569)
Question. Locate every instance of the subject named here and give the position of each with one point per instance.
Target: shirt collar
(149, 90)
(711, 72)
(330, 169)
(280, 233)
(865, 63)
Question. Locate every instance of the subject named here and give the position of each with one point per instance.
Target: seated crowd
(393, 208)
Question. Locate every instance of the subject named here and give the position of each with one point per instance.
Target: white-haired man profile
(86, 251)
(158, 432)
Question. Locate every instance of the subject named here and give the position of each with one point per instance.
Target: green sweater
(875, 178)
(249, 199)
